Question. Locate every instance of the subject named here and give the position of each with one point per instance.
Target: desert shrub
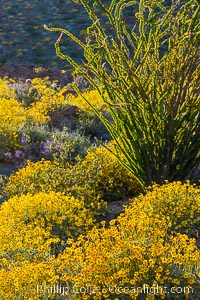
(20, 280)
(94, 97)
(64, 146)
(142, 248)
(33, 230)
(5, 92)
(17, 120)
(97, 176)
(31, 91)
(30, 139)
(13, 118)
(43, 175)
(38, 222)
(101, 173)
(48, 100)
(149, 71)
(24, 92)
(179, 203)
(47, 176)
(37, 141)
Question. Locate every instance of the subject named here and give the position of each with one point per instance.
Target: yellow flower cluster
(47, 99)
(102, 173)
(22, 280)
(33, 230)
(42, 176)
(5, 92)
(93, 97)
(46, 176)
(12, 119)
(98, 175)
(146, 245)
(139, 247)
(175, 202)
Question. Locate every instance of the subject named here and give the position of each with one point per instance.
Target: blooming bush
(36, 222)
(47, 176)
(148, 245)
(141, 247)
(36, 177)
(101, 174)
(16, 120)
(13, 118)
(5, 92)
(92, 96)
(97, 176)
(33, 230)
(48, 99)
(19, 280)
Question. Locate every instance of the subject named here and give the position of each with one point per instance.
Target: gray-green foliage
(65, 147)
(150, 72)
(24, 92)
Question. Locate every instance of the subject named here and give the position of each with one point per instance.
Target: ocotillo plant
(147, 71)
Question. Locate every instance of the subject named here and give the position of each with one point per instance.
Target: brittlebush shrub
(20, 280)
(12, 119)
(102, 173)
(37, 223)
(5, 91)
(98, 176)
(46, 176)
(93, 97)
(48, 99)
(16, 119)
(143, 246)
(33, 230)
(42, 176)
